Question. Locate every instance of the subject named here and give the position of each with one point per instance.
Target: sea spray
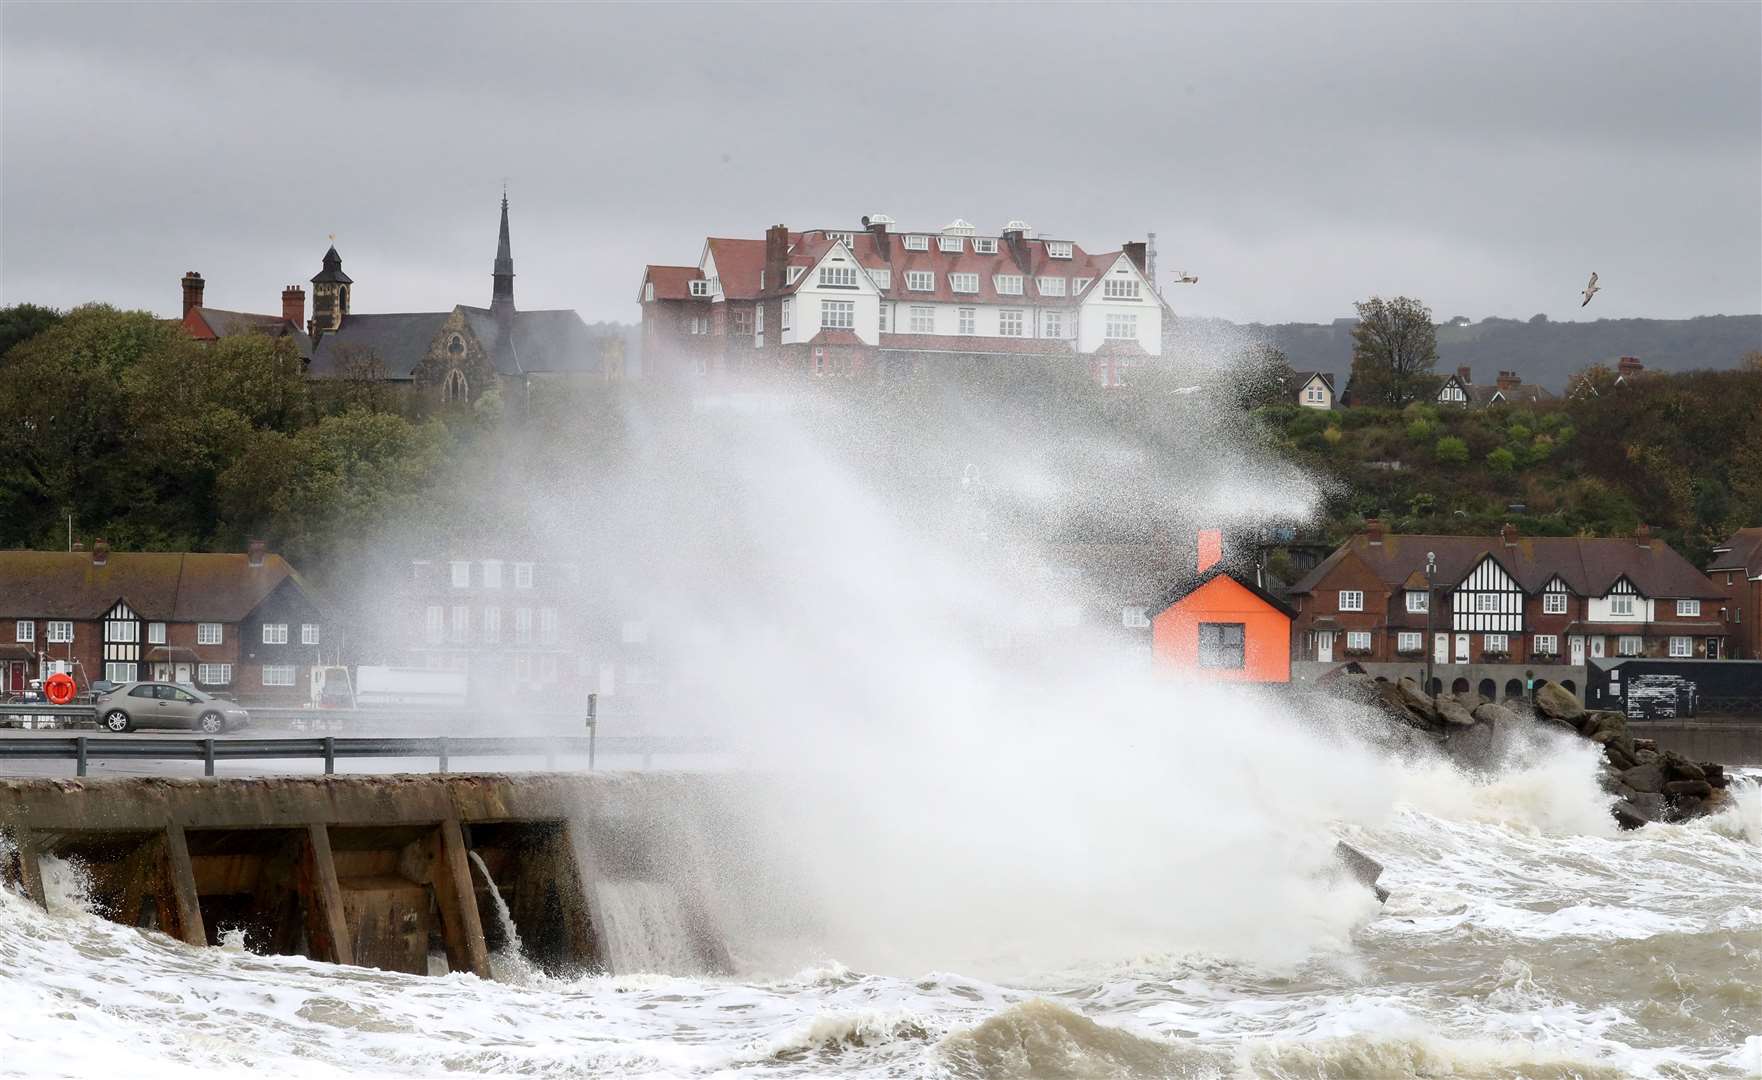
(508, 963)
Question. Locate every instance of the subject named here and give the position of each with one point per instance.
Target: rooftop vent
(1017, 225)
(877, 219)
(958, 227)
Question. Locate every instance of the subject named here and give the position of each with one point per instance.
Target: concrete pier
(367, 870)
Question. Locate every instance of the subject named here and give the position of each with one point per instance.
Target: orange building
(1222, 626)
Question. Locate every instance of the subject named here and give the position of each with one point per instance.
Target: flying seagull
(1590, 289)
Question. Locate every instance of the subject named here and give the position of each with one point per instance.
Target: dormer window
(915, 242)
(700, 288)
(1080, 284)
(1050, 286)
(966, 283)
(950, 243)
(794, 273)
(984, 245)
(838, 277)
(1058, 249)
(846, 238)
(1007, 284)
(882, 278)
(920, 281)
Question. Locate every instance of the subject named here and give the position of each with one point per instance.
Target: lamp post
(1430, 645)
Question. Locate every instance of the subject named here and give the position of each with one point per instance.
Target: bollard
(79, 746)
(207, 757)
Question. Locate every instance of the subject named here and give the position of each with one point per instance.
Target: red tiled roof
(812, 245)
(1588, 565)
(739, 264)
(165, 586)
(972, 343)
(671, 282)
(835, 337)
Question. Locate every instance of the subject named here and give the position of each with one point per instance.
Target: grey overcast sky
(1485, 158)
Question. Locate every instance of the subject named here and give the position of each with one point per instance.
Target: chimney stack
(254, 553)
(1509, 379)
(79, 545)
(100, 552)
(1643, 535)
(1211, 548)
(192, 292)
(1015, 238)
(1135, 250)
(1629, 365)
(1509, 534)
(1463, 375)
(776, 257)
(293, 305)
(1374, 530)
(877, 226)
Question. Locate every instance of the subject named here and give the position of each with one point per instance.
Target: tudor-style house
(1313, 389)
(242, 625)
(1504, 601)
(1509, 388)
(849, 301)
(1736, 570)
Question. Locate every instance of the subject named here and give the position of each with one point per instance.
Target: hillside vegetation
(1680, 453)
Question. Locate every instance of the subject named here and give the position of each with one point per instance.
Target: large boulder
(1362, 867)
(1552, 700)
(1416, 699)
(1715, 773)
(1647, 778)
(1627, 815)
(1681, 768)
(1452, 711)
(1497, 715)
(1698, 789)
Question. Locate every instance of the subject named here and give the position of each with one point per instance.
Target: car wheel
(213, 723)
(116, 720)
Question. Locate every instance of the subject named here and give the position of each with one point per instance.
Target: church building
(454, 357)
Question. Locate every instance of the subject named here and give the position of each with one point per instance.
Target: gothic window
(456, 345)
(454, 388)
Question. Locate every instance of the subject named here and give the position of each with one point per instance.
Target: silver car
(161, 704)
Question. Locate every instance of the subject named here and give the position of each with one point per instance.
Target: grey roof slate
(551, 342)
(228, 323)
(399, 340)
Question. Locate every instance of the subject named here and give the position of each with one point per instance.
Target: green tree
(1501, 461)
(1260, 375)
(1394, 350)
(21, 322)
(1451, 451)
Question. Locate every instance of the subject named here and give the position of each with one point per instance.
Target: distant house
(241, 624)
(1461, 389)
(212, 324)
(1627, 370)
(1313, 389)
(1221, 625)
(1737, 569)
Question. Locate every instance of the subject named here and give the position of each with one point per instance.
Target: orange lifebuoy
(59, 688)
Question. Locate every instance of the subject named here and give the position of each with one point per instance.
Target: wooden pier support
(327, 929)
(461, 925)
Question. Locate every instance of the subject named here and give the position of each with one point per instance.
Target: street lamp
(1430, 646)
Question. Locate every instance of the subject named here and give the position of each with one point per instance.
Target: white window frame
(1495, 643)
(700, 287)
(120, 671)
(210, 633)
(923, 319)
(1351, 600)
(1621, 605)
(1134, 617)
(1121, 288)
(1554, 603)
(963, 283)
(1358, 639)
(492, 573)
(845, 238)
(967, 320)
(59, 632)
(275, 633)
(838, 314)
(840, 276)
(1546, 644)
(155, 633)
(492, 626)
(523, 626)
(462, 569)
(1630, 645)
(916, 242)
(25, 631)
(1052, 324)
(787, 321)
(459, 625)
(1050, 286)
(882, 320)
(547, 626)
(1058, 249)
(1409, 641)
(215, 674)
(1122, 326)
(1486, 603)
(523, 575)
(309, 633)
(1011, 322)
(920, 280)
(1688, 609)
(954, 244)
(882, 277)
(1417, 601)
(984, 245)
(1682, 647)
(278, 674)
(793, 274)
(435, 624)
(1007, 284)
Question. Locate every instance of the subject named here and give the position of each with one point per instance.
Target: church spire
(502, 296)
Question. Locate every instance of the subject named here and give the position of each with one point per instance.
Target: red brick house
(211, 324)
(239, 624)
(1506, 599)
(1736, 570)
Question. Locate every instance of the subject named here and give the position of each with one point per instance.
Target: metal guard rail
(83, 748)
